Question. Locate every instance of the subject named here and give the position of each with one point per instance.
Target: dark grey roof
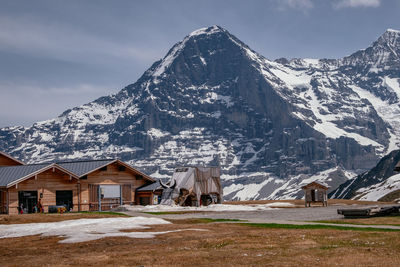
(81, 168)
(151, 187)
(9, 174)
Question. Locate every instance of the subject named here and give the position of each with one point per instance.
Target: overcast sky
(56, 55)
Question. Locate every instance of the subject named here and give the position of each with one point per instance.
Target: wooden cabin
(149, 194)
(24, 186)
(315, 192)
(93, 185)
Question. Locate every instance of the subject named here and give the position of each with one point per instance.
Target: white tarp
(193, 182)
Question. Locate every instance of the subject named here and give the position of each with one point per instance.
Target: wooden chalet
(92, 185)
(315, 192)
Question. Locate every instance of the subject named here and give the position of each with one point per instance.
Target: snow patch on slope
(388, 112)
(377, 191)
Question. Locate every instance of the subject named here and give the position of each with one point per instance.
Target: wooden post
(8, 202)
(120, 195)
(99, 197)
(305, 198)
(78, 191)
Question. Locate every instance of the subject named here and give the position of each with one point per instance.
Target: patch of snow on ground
(280, 204)
(85, 229)
(214, 207)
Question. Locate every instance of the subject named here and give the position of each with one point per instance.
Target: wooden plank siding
(112, 176)
(85, 191)
(148, 194)
(47, 183)
(6, 161)
(3, 201)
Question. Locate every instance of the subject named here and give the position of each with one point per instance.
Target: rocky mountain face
(272, 126)
(374, 184)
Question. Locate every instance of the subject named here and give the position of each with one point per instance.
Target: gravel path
(283, 216)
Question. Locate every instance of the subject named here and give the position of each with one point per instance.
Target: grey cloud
(31, 36)
(357, 3)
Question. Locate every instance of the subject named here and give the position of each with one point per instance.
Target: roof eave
(11, 157)
(45, 168)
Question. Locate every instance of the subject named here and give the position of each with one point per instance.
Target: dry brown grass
(46, 217)
(222, 244)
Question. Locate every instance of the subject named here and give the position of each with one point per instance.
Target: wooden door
(127, 194)
(93, 197)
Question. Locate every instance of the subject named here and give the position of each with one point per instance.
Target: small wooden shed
(315, 192)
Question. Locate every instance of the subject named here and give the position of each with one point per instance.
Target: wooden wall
(110, 176)
(149, 194)
(47, 183)
(144, 194)
(6, 161)
(3, 201)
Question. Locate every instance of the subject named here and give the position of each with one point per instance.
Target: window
(121, 168)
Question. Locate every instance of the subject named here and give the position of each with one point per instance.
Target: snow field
(82, 230)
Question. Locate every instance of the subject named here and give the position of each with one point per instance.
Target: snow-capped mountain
(271, 125)
(378, 183)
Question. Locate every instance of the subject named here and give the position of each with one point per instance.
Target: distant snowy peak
(199, 47)
(178, 48)
(393, 31)
(210, 30)
(383, 53)
(391, 37)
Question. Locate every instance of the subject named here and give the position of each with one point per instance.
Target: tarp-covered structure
(193, 186)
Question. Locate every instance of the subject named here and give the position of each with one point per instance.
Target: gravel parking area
(261, 216)
(277, 215)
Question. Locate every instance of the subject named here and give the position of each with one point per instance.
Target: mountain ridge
(213, 100)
